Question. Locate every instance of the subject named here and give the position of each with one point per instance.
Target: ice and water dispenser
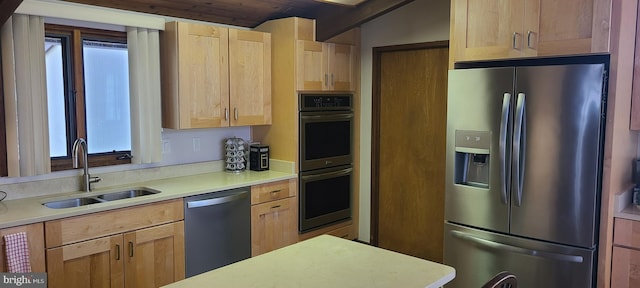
(472, 163)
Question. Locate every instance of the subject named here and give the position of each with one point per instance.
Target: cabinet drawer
(343, 232)
(626, 233)
(273, 191)
(338, 230)
(624, 272)
(84, 227)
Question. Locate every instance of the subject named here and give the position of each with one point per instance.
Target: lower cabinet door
(274, 225)
(93, 263)
(150, 257)
(154, 256)
(35, 239)
(625, 270)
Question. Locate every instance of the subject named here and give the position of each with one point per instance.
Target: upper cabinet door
(311, 65)
(325, 66)
(195, 76)
(250, 77)
(488, 29)
(564, 27)
(203, 75)
(341, 62)
(497, 29)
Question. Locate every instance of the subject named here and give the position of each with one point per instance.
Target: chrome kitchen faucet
(80, 142)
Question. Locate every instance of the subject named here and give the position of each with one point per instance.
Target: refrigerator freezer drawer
(478, 255)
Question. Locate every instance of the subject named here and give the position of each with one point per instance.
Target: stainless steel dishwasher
(217, 229)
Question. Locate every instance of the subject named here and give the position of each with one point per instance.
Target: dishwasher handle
(217, 200)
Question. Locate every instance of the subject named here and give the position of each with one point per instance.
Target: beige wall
(416, 22)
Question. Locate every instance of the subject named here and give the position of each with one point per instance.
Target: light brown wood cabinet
(141, 246)
(249, 77)
(344, 230)
(301, 63)
(215, 76)
(626, 254)
(324, 66)
(195, 74)
(274, 216)
(498, 29)
(35, 239)
(155, 255)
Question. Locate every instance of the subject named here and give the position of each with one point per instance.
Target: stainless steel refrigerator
(523, 181)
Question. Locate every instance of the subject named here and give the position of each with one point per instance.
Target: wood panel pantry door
(408, 161)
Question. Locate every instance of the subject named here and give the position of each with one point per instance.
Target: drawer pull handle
(515, 40)
(274, 207)
(130, 249)
(276, 191)
(117, 251)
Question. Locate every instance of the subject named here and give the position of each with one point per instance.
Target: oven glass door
(325, 139)
(325, 196)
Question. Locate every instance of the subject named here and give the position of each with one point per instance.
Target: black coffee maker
(258, 157)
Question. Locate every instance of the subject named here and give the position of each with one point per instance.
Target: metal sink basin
(93, 199)
(74, 202)
(126, 194)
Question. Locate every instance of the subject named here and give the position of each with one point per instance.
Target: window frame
(75, 91)
(4, 169)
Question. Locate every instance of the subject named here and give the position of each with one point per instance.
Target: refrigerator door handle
(515, 249)
(504, 125)
(519, 146)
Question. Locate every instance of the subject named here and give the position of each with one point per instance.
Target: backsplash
(197, 145)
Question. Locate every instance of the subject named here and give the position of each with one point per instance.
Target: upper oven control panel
(319, 102)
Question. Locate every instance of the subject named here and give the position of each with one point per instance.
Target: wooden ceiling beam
(335, 20)
(7, 7)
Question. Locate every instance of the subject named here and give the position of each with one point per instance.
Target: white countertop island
(326, 261)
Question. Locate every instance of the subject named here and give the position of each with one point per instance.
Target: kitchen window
(87, 74)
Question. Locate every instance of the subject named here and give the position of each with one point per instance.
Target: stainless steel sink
(126, 194)
(93, 199)
(74, 202)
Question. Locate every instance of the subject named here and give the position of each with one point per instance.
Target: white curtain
(23, 70)
(144, 86)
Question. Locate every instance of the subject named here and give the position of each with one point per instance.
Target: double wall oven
(326, 129)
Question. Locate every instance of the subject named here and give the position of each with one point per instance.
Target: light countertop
(326, 261)
(30, 210)
(624, 208)
(630, 212)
